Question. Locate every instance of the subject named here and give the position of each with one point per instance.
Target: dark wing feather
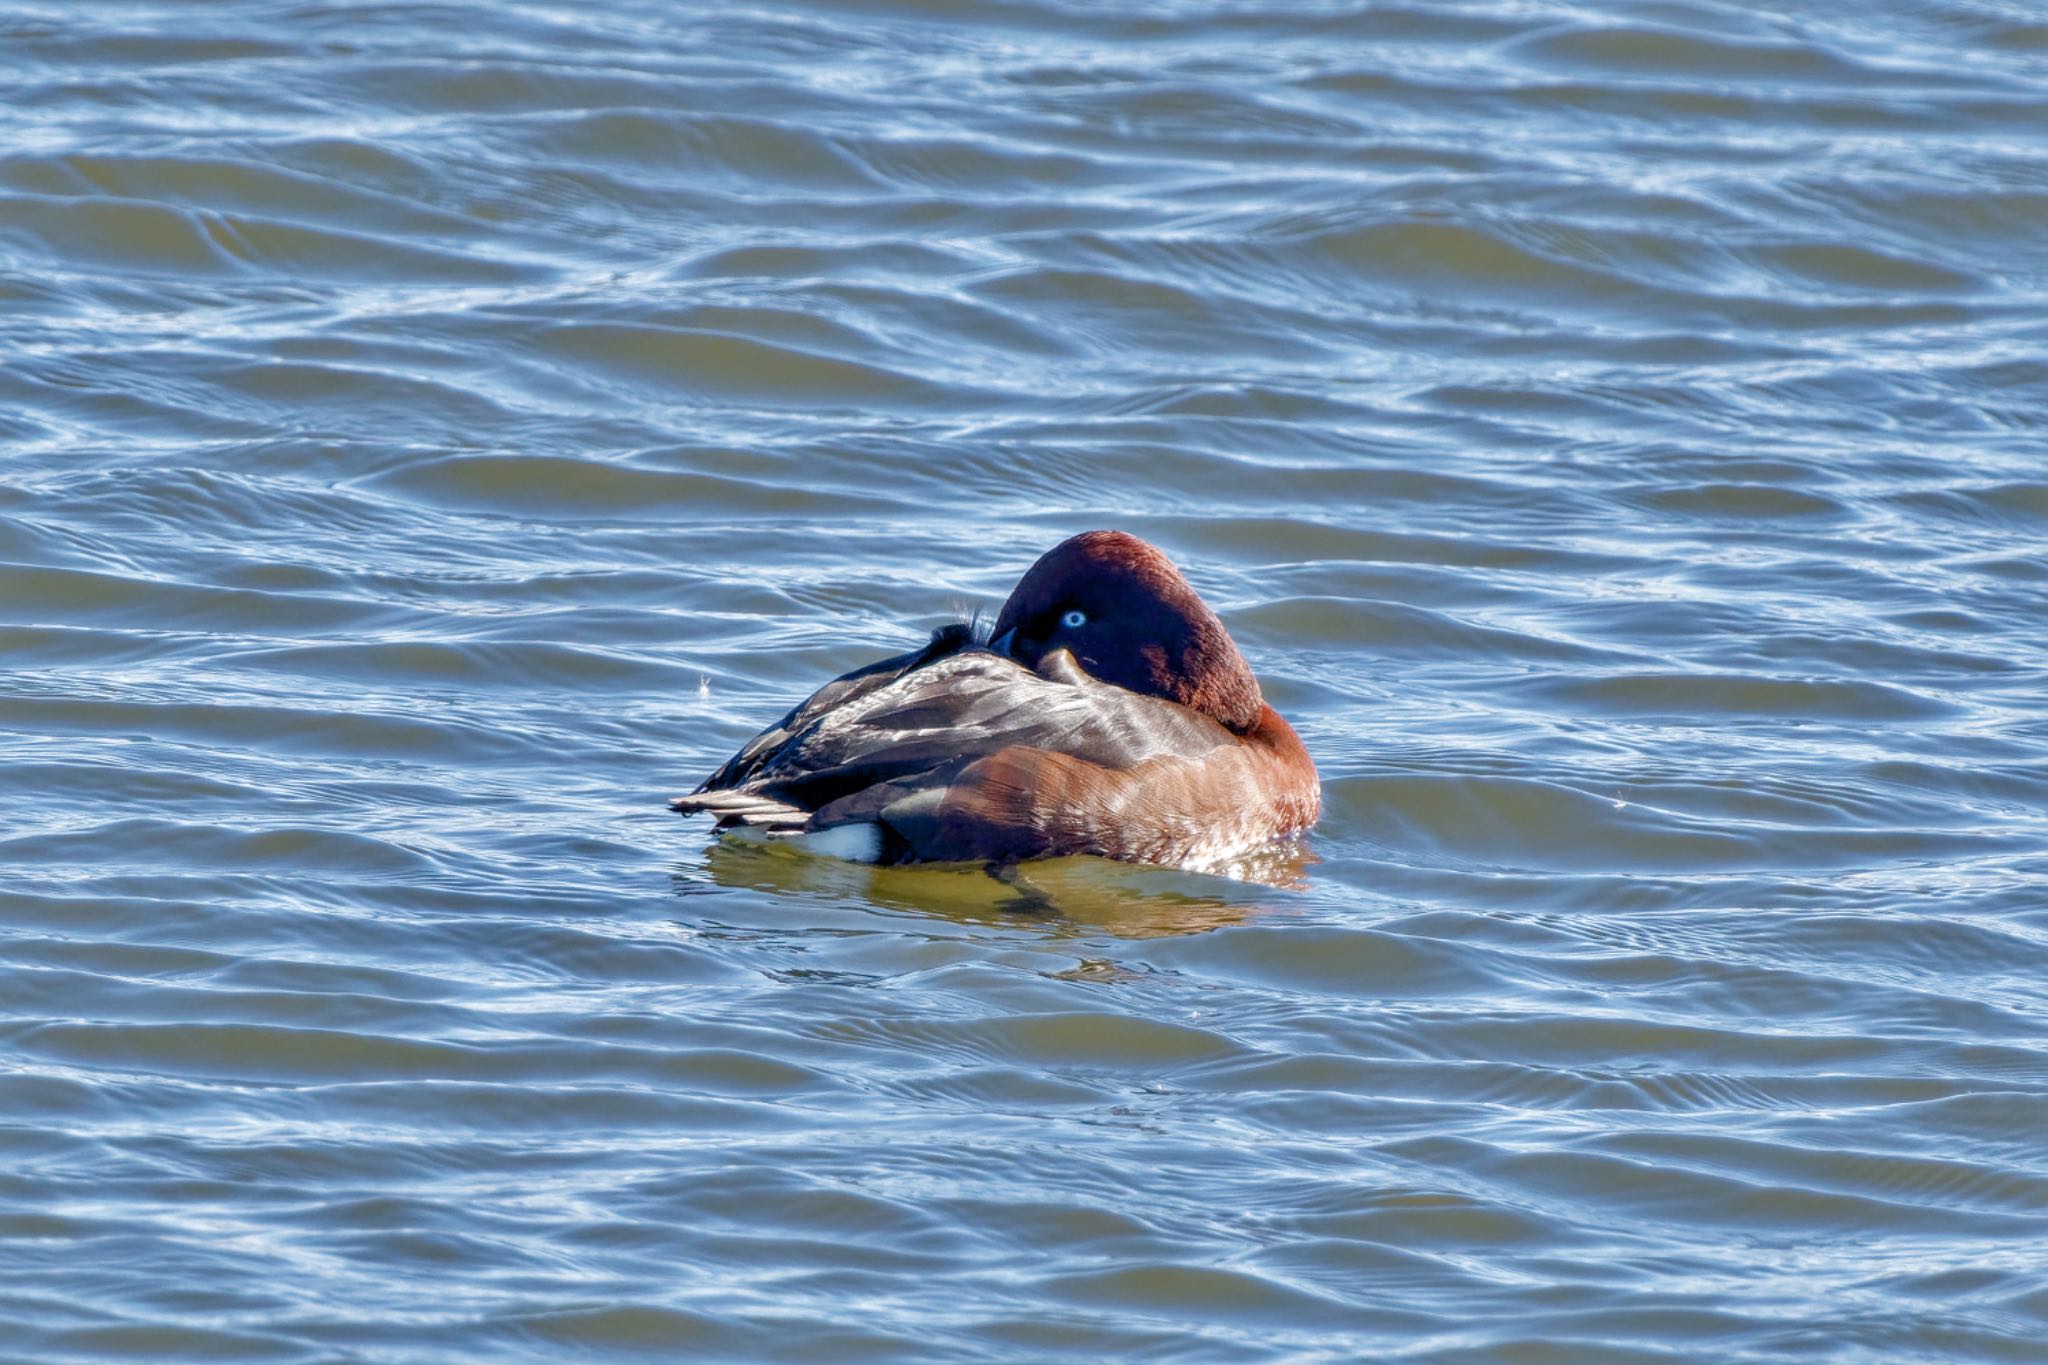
(844, 690)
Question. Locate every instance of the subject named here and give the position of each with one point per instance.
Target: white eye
(1074, 620)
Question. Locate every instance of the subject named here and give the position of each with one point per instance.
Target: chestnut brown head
(1129, 618)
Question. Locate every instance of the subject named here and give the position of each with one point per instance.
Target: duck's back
(846, 691)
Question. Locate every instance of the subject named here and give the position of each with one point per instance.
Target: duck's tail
(776, 819)
(749, 815)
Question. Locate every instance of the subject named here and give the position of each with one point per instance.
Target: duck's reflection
(1078, 895)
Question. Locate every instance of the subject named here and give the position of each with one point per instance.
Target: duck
(1105, 712)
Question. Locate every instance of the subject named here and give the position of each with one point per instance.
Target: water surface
(434, 434)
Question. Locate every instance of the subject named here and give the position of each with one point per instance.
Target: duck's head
(1129, 618)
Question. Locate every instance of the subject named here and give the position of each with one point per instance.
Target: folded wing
(910, 743)
(847, 690)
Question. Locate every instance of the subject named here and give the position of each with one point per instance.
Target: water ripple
(438, 432)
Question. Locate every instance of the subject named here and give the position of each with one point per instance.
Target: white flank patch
(854, 843)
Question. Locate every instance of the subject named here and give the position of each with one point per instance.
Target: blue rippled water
(433, 434)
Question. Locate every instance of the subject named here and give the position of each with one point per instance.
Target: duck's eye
(1074, 620)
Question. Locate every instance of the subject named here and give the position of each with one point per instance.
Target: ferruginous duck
(1108, 713)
